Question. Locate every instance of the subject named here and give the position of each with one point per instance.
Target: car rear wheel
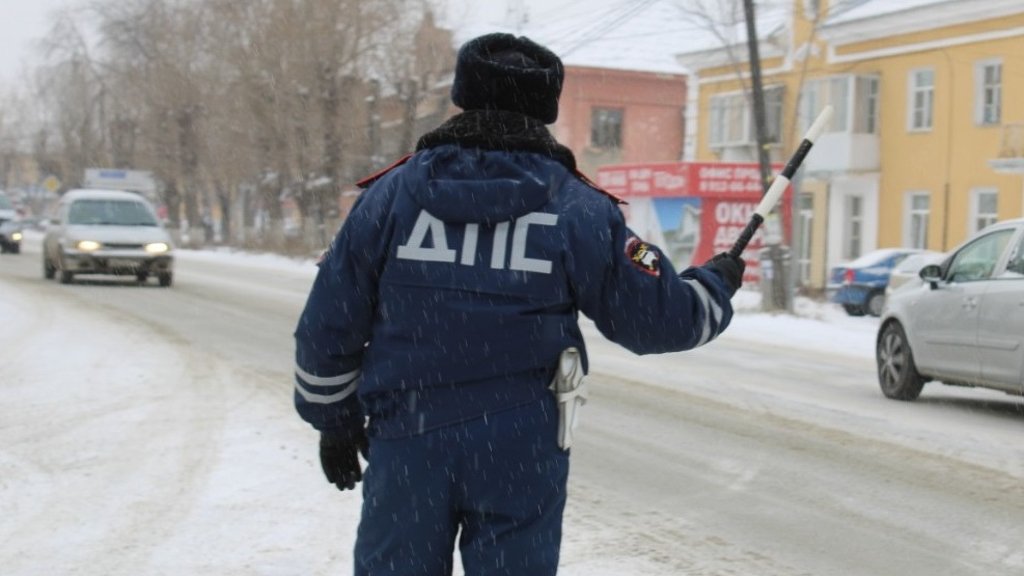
(166, 279)
(897, 373)
(875, 303)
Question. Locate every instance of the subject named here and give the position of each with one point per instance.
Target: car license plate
(122, 263)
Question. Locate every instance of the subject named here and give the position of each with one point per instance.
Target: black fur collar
(498, 130)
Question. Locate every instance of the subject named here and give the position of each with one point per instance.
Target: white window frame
(926, 105)
(853, 226)
(854, 97)
(811, 8)
(977, 218)
(865, 105)
(988, 96)
(727, 107)
(774, 104)
(915, 219)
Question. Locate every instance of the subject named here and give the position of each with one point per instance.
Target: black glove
(731, 269)
(339, 458)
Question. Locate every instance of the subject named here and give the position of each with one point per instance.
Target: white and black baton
(779, 184)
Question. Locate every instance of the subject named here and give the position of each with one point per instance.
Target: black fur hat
(504, 72)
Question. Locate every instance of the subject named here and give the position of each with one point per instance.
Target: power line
(601, 29)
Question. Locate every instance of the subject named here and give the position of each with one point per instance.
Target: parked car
(859, 286)
(964, 324)
(107, 232)
(10, 227)
(906, 272)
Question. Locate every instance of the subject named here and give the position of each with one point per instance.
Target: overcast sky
(21, 23)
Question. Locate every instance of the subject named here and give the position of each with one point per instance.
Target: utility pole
(779, 296)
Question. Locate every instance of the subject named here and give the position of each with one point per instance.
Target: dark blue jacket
(456, 281)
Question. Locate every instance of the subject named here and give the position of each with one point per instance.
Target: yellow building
(927, 143)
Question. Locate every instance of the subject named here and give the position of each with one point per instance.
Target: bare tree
(262, 111)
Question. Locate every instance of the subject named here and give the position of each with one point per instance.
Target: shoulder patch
(643, 256)
(366, 182)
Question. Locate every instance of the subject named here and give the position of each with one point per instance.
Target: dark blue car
(859, 286)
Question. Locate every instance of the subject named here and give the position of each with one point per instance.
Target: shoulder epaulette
(594, 185)
(366, 182)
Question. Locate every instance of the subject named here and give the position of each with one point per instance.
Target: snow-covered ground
(86, 392)
(815, 325)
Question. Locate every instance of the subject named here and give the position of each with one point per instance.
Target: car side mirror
(932, 274)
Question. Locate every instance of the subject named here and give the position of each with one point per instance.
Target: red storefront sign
(682, 179)
(696, 209)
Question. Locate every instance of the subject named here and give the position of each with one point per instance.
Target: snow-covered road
(150, 431)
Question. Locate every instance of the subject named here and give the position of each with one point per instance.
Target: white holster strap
(570, 393)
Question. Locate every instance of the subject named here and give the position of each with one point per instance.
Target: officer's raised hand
(730, 268)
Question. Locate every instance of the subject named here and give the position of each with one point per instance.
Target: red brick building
(611, 116)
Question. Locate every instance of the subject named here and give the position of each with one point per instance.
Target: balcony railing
(1012, 145)
(1010, 158)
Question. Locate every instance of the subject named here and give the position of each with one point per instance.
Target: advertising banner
(693, 210)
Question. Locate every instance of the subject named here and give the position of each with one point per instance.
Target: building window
(853, 231)
(732, 118)
(865, 105)
(860, 115)
(917, 208)
(606, 128)
(773, 114)
(988, 81)
(984, 209)
(811, 8)
(921, 99)
(729, 123)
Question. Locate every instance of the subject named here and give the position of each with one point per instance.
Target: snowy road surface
(150, 431)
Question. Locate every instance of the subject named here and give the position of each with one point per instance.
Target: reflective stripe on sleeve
(325, 398)
(304, 381)
(339, 380)
(711, 310)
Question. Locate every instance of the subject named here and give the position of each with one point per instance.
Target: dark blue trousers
(496, 484)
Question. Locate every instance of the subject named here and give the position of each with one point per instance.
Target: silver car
(963, 324)
(107, 232)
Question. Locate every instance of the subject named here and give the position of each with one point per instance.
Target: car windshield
(110, 213)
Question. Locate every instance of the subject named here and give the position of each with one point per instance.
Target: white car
(963, 325)
(107, 232)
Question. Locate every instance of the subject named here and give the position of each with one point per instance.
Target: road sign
(51, 183)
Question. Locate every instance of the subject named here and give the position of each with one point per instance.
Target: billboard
(694, 210)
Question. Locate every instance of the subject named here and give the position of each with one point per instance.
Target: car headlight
(157, 247)
(16, 236)
(88, 245)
